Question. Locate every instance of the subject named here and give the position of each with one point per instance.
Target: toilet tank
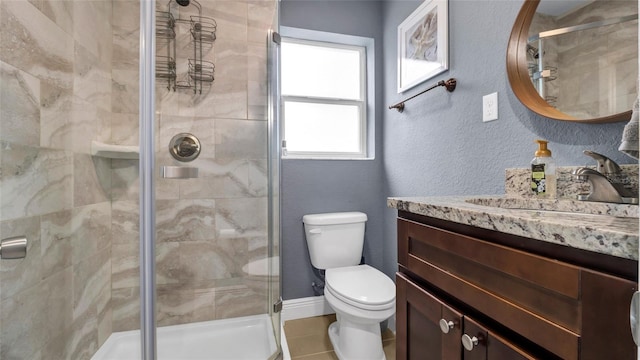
(335, 239)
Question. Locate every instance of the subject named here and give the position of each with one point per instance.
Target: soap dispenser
(543, 172)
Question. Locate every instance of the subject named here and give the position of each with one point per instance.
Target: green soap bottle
(543, 172)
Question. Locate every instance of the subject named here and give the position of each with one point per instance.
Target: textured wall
(440, 146)
(316, 186)
(55, 97)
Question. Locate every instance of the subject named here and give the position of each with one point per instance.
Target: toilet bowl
(361, 295)
(362, 298)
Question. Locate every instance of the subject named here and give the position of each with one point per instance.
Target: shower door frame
(147, 96)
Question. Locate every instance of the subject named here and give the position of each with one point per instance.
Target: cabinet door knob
(634, 314)
(469, 342)
(445, 325)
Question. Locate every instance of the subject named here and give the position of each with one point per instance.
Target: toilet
(361, 296)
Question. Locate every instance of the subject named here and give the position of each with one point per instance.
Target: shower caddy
(203, 33)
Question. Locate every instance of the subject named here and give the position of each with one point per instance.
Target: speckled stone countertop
(604, 228)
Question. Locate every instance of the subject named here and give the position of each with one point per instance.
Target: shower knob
(184, 147)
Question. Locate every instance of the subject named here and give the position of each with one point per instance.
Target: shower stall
(139, 179)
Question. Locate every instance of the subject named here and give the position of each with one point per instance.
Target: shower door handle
(13, 247)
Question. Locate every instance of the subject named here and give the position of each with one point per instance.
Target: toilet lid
(362, 284)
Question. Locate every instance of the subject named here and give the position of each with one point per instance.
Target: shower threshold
(244, 338)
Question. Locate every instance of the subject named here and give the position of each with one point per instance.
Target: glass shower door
(216, 240)
(274, 153)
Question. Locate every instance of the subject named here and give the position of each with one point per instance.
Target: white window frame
(337, 41)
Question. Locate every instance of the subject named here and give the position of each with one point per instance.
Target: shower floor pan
(245, 338)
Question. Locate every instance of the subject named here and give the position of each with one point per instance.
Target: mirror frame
(518, 73)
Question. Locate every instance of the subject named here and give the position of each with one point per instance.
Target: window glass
(316, 127)
(321, 71)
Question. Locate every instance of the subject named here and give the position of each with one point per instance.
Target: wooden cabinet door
(476, 337)
(418, 332)
(488, 345)
(499, 348)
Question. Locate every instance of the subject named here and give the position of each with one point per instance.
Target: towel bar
(450, 85)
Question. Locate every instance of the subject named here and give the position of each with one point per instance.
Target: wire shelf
(203, 29)
(165, 25)
(200, 70)
(165, 67)
(551, 100)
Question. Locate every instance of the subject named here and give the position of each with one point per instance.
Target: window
(324, 99)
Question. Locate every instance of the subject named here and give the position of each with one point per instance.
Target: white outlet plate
(490, 107)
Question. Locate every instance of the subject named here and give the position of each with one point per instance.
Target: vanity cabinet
(428, 328)
(515, 298)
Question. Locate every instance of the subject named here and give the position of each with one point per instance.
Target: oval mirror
(575, 60)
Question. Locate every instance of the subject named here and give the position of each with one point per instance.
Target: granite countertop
(610, 229)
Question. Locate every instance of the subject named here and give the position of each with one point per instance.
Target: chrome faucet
(607, 182)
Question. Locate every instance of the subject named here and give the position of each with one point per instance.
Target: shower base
(245, 338)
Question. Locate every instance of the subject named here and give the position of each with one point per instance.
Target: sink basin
(558, 206)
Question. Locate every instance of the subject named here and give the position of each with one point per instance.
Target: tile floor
(308, 339)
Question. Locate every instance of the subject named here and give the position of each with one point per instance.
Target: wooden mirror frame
(518, 72)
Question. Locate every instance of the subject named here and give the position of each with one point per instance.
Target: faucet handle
(606, 166)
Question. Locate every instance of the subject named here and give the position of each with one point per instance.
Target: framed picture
(423, 44)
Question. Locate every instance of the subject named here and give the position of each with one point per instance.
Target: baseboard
(305, 307)
(314, 306)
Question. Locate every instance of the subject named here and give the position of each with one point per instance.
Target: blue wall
(316, 186)
(439, 145)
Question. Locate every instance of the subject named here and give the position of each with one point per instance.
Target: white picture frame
(423, 44)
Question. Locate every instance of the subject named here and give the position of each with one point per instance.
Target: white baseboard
(315, 306)
(305, 307)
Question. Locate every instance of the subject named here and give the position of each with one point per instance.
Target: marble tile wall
(208, 228)
(55, 97)
(588, 60)
(62, 86)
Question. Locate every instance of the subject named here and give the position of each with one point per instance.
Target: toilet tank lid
(334, 218)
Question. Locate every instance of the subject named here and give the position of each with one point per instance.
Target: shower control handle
(179, 172)
(184, 147)
(13, 247)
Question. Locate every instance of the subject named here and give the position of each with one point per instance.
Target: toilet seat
(361, 286)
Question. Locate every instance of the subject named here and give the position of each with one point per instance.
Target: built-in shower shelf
(114, 151)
